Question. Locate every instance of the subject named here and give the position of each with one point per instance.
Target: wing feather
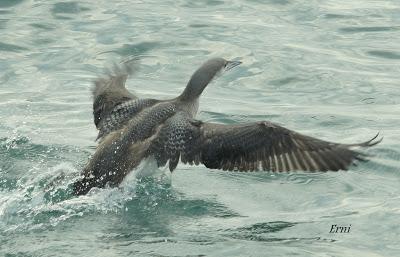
(110, 91)
(113, 104)
(250, 147)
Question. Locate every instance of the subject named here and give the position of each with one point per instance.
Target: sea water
(325, 68)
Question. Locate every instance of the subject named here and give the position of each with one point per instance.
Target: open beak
(231, 64)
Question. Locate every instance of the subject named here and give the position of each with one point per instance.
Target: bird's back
(122, 149)
(120, 115)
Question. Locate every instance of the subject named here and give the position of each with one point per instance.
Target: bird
(132, 129)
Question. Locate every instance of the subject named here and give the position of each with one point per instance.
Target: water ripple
(368, 29)
(385, 54)
(11, 47)
(324, 68)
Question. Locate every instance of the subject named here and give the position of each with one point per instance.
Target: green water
(329, 69)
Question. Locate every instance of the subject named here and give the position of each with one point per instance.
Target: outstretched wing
(250, 147)
(110, 91)
(113, 104)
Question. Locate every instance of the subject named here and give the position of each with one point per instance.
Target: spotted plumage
(132, 129)
(121, 114)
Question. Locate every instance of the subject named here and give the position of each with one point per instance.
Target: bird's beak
(231, 64)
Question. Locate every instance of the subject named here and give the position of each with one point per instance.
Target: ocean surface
(327, 68)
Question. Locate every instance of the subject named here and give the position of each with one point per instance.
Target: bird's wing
(174, 140)
(250, 147)
(110, 91)
(121, 114)
(113, 104)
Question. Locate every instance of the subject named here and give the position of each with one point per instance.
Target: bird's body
(132, 129)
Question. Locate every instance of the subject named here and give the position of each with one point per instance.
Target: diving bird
(131, 129)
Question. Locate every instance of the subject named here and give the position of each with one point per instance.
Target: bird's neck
(195, 86)
(190, 107)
